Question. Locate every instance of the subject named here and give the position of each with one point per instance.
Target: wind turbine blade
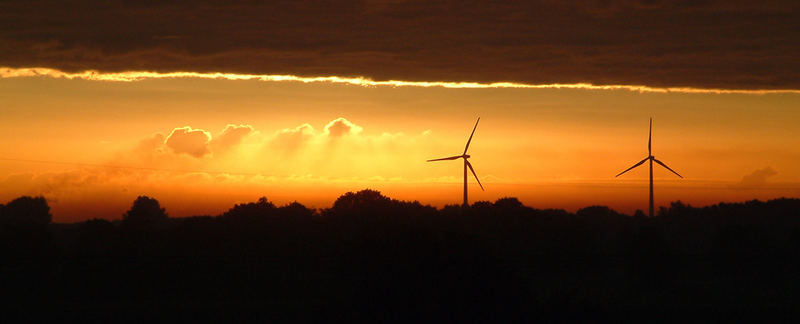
(470, 135)
(473, 173)
(664, 165)
(447, 158)
(635, 165)
(650, 139)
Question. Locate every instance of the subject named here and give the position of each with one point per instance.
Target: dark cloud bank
(719, 44)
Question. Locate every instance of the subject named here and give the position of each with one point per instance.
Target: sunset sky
(311, 101)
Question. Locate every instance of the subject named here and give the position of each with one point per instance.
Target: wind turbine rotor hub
(466, 156)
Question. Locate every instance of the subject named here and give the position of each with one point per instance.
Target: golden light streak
(130, 76)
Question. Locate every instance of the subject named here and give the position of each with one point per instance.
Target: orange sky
(201, 145)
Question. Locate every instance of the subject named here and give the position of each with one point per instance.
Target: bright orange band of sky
(201, 142)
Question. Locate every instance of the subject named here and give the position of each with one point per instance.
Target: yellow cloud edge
(131, 76)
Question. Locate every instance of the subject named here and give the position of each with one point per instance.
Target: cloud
(231, 136)
(757, 179)
(151, 145)
(193, 142)
(704, 44)
(241, 149)
(340, 127)
(291, 139)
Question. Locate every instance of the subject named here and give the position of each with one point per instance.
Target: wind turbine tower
(652, 159)
(465, 156)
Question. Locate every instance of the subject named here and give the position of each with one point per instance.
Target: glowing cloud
(231, 136)
(190, 141)
(151, 145)
(290, 139)
(130, 76)
(340, 127)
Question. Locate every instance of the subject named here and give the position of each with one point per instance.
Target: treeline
(376, 258)
(505, 226)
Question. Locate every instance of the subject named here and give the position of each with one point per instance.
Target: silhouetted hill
(370, 257)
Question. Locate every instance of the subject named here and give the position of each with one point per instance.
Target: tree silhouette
(296, 212)
(146, 214)
(371, 207)
(27, 212)
(508, 203)
(23, 226)
(366, 199)
(253, 211)
(482, 205)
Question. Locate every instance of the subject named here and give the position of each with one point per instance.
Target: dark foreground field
(372, 258)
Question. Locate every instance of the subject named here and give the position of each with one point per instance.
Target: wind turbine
(652, 159)
(465, 156)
